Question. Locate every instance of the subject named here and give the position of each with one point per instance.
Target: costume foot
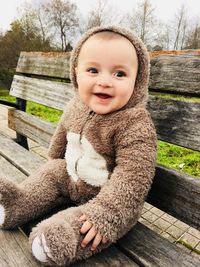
(9, 193)
(40, 249)
(54, 242)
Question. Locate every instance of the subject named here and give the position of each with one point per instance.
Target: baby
(101, 156)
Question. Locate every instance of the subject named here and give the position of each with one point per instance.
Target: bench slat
(7, 170)
(180, 74)
(34, 128)
(168, 73)
(21, 158)
(109, 257)
(52, 64)
(177, 194)
(176, 121)
(147, 248)
(165, 113)
(50, 93)
(14, 250)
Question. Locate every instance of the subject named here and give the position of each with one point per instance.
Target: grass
(46, 113)
(182, 242)
(182, 159)
(176, 97)
(179, 158)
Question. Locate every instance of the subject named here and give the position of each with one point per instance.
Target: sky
(164, 10)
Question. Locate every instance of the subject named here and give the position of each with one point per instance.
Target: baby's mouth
(103, 96)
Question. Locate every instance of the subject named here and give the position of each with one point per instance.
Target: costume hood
(140, 91)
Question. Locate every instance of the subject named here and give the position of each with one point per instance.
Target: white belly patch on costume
(84, 162)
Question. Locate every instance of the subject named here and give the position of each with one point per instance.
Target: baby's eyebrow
(91, 63)
(120, 66)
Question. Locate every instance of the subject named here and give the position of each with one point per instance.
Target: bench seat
(44, 79)
(140, 247)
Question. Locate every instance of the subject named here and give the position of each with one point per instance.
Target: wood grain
(148, 249)
(10, 172)
(107, 258)
(177, 194)
(176, 121)
(51, 64)
(14, 250)
(170, 73)
(49, 93)
(18, 156)
(30, 126)
(180, 74)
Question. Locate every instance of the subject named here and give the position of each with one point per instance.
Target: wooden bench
(44, 78)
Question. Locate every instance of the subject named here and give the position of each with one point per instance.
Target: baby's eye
(120, 73)
(92, 70)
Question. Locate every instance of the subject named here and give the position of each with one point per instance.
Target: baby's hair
(108, 35)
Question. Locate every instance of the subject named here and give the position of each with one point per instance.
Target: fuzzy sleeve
(58, 141)
(118, 205)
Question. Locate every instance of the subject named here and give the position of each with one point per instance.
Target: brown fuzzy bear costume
(103, 163)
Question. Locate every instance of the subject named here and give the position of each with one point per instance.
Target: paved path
(167, 226)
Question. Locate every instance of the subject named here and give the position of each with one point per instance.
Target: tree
(63, 20)
(143, 21)
(163, 37)
(193, 41)
(21, 37)
(180, 28)
(102, 13)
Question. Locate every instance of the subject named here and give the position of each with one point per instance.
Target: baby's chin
(103, 111)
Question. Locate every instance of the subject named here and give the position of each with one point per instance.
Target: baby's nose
(104, 80)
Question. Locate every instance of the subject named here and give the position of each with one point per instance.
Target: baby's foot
(40, 249)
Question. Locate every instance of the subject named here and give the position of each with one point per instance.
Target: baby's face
(106, 73)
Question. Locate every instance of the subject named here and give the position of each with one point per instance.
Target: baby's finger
(89, 236)
(82, 218)
(104, 240)
(85, 227)
(97, 241)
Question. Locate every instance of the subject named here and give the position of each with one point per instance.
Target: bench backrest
(44, 78)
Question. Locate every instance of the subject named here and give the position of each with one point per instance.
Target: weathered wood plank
(176, 121)
(14, 247)
(14, 250)
(22, 159)
(148, 249)
(175, 73)
(109, 257)
(179, 74)
(34, 128)
(51, 64)
(7, 170)
(177, 194)
(50, 93)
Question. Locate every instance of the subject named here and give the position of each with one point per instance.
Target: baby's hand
(91, 231)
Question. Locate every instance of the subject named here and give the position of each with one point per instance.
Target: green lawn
(182, 159)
